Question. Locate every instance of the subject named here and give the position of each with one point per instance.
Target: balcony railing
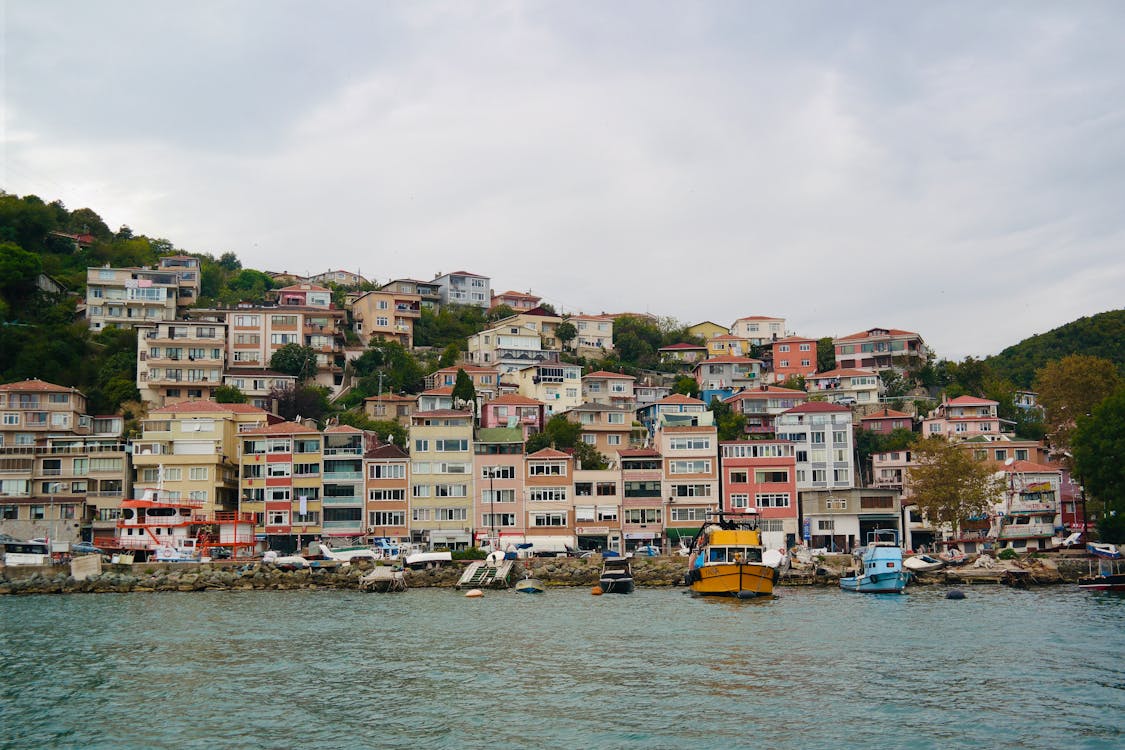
(347, 451)
(343, 475)
(342, 500)
(343, 525)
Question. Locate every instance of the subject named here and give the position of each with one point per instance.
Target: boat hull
(1114, 582)
(529, 586)
(616, 585)
(880, 583)
(742, 580)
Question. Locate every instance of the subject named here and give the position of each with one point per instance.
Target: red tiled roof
(638, 453)
(440, 413)
(886, 414)
(727, 359)
(284, 428)
(815, 406)
(725, 336)
(842, 372)
(677, 347)
(795, 340)
(207, 406)
(971, 401)
(445, 390)
(679, 398)
(1031, 466)
(39, 386)
(548, 453)
(304, 288)
(867, 334)
(391, 397)
(759, 317)
(387, 451)
(605, 374)
(338, 428)
(514, 399)
(765, 392)
(467, 368)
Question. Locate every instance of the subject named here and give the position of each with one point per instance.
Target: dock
(486, 575)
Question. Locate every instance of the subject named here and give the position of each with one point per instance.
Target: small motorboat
(880, 566)
(616, 577)
(1108, 577)
(529, 585)
(427, 559)
(922, 563)
(1099, 549)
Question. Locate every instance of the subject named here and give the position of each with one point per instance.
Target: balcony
(356, 525)
(342, 500)
(346, 451)
(349, 475)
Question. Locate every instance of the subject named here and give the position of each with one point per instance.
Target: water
(814, 668)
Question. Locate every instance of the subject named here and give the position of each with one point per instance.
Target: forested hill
(1101, 335)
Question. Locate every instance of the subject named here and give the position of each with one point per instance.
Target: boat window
(717, 555)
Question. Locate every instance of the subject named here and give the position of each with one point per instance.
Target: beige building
(387, 315)
(557, 384)
(605, 427)
(441, 479)
(595, 335)
(180, 360)
(759, 329)
(127, 297)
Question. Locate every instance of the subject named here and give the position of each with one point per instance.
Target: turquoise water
(815, 668)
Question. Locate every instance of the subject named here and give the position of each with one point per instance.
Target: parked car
(85, 548)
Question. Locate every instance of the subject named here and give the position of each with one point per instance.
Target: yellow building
(281, 483)
(441, 478)
(707, 330)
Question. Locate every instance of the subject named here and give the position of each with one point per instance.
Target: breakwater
(647, 572)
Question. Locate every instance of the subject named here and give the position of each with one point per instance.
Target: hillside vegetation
(1101, 335)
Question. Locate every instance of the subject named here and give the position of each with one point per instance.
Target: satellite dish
(1009, 462)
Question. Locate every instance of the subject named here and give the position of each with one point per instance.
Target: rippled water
(814, 668)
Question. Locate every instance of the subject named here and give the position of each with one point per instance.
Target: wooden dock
(481, 575)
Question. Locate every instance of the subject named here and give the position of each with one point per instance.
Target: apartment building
(507, 348)
(387, 472)
(180, 360)
(512, 410)
(727, 373)
(464, 288)
(428, 292)
(881, 349)
(678, 409)
(441, 480)
(486, 380)
(518, 301)
(557, 384)
(597, 509)
(338, 277)
(963, 417)
(189, 279)
(258, 384)
(386, 315)
(690, 480)
(642, 497)
(847, 386)
(390, 407)
(840, 519)
(613, 388)
(823, 444)
(707, 330)
(281, 483)
(343, 494)
(126, 297)
(760, 477)
(605, 427)
(549, 482)
(759, 329)
(499, 500)
(761, 406)
(682, 354)
(595, 335)
(728, 345)
(793, 356)
(885, 421)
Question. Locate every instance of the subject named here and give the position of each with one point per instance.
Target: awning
(449, 536)
(639, 535)
(675, 535)
(878, 517)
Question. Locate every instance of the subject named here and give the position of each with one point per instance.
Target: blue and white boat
(880, 566)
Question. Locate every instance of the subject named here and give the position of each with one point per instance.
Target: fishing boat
(529, 585)
(1108, 551)
(726, 558)
(922, 563)
(616, 577)
(1108, 578)
(161, 526)
(880, 566)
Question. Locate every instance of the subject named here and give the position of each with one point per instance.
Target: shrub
(1007, 554)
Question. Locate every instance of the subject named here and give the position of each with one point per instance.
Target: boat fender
(596, 591)
(955, 594)
(746, 594)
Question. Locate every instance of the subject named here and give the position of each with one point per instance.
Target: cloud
(954, 170)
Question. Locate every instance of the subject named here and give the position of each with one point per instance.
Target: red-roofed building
(793, 356)
(595, 335)
(846, 386)
(338, 277)
(823, 443)
(682, 353)
(760, 476)
(549, 480)
(436, 398)
(282, 483)
(390, 406)
(881, 349)
(727, 372)
(963, 417)
(518, 301)
(759, 329)
(728, 344)
(612, 388)
(886, 421)
(761, 406)
(514, 410)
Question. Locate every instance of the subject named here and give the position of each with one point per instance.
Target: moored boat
(1099, 549)
(529, 585)
(726, 558)
(922, 563)
(1108, 578)
(616, 577)
(880, 566)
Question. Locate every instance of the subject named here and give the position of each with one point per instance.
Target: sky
(955, 169)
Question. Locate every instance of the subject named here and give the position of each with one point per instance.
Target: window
(1021, 454)
(420, 514)
(687, 514)
(762, 476)
(498, 472)
(839, 437)
(590, 439)
(420, 490)
(817, 437)
(421, 445)
(37, 513)
(615, 418)
(841, 475)
(772, 499)
(689, 467)
(836, 503)
(279, 470)
(607, 489)
(9, 512)
(306, 470)
(451, 490)
(829, 525)
(498, 496)
(198, 473)
(607, 513)
(386, 495)
(387, 518)
(613, 440)
(740, 500)
(691, 490)
(819, 475)
(386, 471)
(452, 514)
(277, 518)
(547, 468)
(738, 477)
(497, 519)
(690, 444)
(548, 519)
(642, 515)
(547, 495)
(106, 464)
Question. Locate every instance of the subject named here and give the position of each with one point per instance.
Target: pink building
(642, 503)
(761, 406)
(513, 410)
(881, 349)
(498, 499)
(793, 356)
(886, 421)
(760, 477)
(518, 301)
(963, 417)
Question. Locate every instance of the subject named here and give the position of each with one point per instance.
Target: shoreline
(655, 572)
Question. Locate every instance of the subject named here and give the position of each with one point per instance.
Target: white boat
(428, 559)
(284, 561)
(347, 554)
(922, 563)
(529, 585)
(26, 553)
(1100, 549)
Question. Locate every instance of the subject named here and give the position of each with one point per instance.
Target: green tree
(229, 394)
(388, 431)
(825, 354)
(1070, 388)
(303, 401)
(794, 382)
(230, 262)
(687, 386)
(731, 425)
(18, 271)
(948, 485)
(589, 457)
(566, 332)
(559, 432)
(1097, 450)
(499, 313)
(401, 371)
(449, 356)
(294, 359)
(464, 392)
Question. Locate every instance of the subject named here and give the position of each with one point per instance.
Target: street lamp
(492, 506)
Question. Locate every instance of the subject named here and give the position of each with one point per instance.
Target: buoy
(746, 594)
(474, 593)
(597, 591)
(955, 594)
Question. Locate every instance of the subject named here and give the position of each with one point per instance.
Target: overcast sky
(956, 169)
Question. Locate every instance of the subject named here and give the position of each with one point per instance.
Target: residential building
(823, 444)
(690, 478)
(687, 354)
(537, 321)
(441, 479)
(595, 335)
(434, 399)
(499, 512)
(549, 482)
(840, 519)
(33, 409)
(387, 485)
(338, 277)
(605, 427)
(881, 349)
(126, 297)
(1000, 448)
(463, 288)
(759, 329)
(726, 375)
(485, 380)
(761, 406)
(706, 330)
(259, 385)
(609, 388)
(282, 481)
(507, 348)
(428, 292)
(678, 409)
(518, 301)
(390, 407)
(1028, 514)
(846, 386)
(963, 417)
(188, 277)
(647, 392)
(180, 360)
(726, 344)
(793, 356)
(885, 421)
(760, 477)
(386, 315)
(343, 493)
(189, 450)
(597, 509)
(512, 410)
(557, 384)
(642, 498)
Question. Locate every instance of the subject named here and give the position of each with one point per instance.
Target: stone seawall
(647, 572)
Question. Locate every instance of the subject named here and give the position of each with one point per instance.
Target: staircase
(482, 575)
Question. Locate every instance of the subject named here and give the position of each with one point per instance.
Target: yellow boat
(726, 560)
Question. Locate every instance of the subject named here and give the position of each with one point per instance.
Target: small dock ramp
(484, 574)
(383, 580)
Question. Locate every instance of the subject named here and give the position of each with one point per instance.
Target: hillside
(1101, 335)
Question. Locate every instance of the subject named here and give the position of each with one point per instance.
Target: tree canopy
(1097, 448)
(294, 359)
(1070, 388)
(947, 485)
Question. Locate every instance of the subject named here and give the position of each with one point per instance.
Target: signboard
(806, 529)
(640, 535)
(591, 529)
